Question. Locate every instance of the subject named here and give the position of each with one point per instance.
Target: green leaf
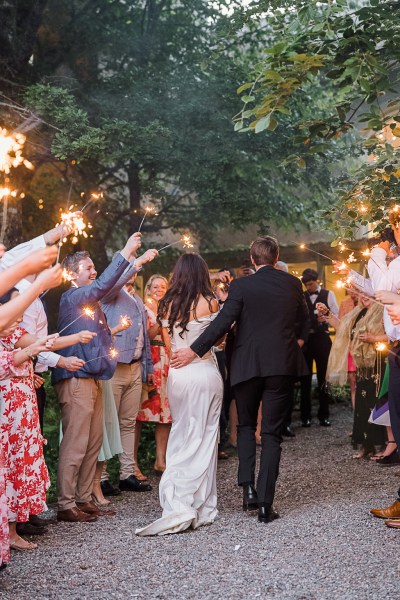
(262, 123)
(244, 87)
(273, 124)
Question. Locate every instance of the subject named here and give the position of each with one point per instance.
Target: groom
(266, 308)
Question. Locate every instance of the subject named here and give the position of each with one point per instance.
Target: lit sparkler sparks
(342, 266)
(380, 347)
(68, 276)
(342, 247)
(125, 322)
(94, 196)
(147, 210)
(113, 354)
(11, 145)
(185, 240)
(351, 258)
(74, 223)
(366, 252)
(86, 312)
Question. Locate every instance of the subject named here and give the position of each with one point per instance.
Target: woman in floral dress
(21, 442)
(155, 407)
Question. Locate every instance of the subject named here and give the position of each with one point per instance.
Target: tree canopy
(136, 99)
(353, 49)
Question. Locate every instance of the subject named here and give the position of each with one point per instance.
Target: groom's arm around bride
(267, 308)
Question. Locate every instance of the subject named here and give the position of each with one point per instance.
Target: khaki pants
(82, 423)
(127, 390)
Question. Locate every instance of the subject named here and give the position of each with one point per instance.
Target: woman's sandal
(100, 501)
(381, 455)
(387, 458)
(16, 546)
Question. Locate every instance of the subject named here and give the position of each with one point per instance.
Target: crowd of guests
(110, 369)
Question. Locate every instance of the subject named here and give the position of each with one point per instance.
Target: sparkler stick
(63, 225)
(92, 197)
(86, 311)
(113, 353)
(185, 239)
(304, 247)
(147, 210)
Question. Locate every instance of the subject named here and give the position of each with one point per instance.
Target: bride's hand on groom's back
(181, 358)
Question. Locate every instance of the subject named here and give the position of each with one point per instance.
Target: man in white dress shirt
(317, 348)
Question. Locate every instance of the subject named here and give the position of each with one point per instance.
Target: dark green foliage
(351, 49)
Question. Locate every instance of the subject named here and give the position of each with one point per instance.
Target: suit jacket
(267, 307)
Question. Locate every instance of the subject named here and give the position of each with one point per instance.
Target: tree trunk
(135, 216)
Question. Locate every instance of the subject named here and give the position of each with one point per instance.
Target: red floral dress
(154, 406)
(21, 442)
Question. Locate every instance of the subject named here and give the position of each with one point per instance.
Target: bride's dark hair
(190, 280)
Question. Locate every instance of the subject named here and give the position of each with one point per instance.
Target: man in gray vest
(317, 348)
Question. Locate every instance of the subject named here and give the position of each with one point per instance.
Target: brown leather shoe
(91, 509)
(394, 523)
(391, 512)
(74, 515)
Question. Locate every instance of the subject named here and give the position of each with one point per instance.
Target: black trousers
(274, 394)
(317, 348)
(394, 395)
(41, 401)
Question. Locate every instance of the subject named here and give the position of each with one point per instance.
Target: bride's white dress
(188, 491)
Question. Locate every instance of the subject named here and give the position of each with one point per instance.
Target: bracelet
(30, 356)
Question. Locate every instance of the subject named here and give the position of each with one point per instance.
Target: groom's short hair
(264, 250)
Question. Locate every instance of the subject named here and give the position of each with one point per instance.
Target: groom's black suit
(266, 307)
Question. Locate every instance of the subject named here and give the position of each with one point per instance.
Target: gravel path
(325, 546)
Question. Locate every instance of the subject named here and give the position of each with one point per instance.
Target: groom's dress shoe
(108, 489)
(325, 423)
(266, 513)
(306, 423)
(132, 484)
(250, 500)
(288, 432)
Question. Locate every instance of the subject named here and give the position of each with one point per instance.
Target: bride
(188, 491)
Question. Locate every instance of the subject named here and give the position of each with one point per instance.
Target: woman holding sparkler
(188, 494)
(21, 441)
(155, 407)
(358, 333)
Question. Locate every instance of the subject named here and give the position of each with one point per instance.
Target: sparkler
(93, 196)
(147, 210)
(304, 247)
(86, 312)
(113, 353)
(68, 276)
(11, 145)
(380, 346)
(185, 240)
(125, 321)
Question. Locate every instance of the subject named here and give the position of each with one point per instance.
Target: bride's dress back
(188, 491)
(195, 328)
